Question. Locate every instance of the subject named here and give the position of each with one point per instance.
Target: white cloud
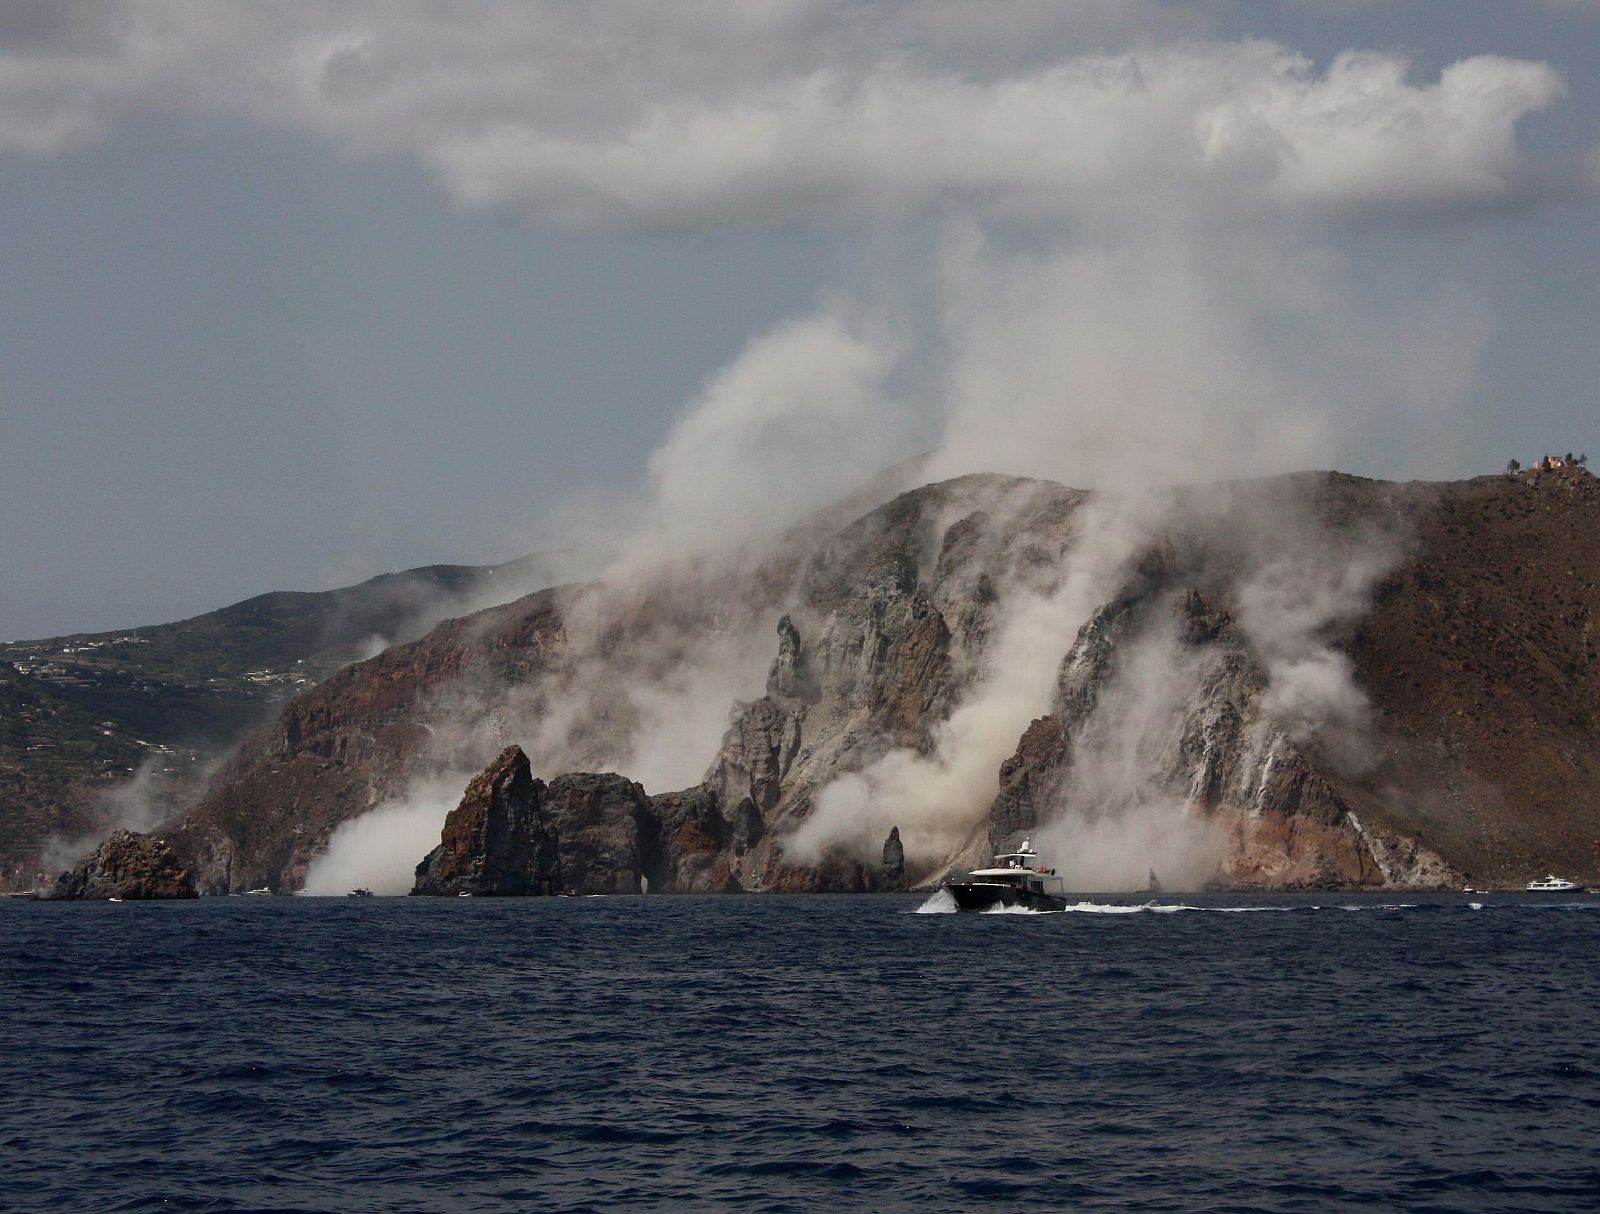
(1220, 123)
(636, 113)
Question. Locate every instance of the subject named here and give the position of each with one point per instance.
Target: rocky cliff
(128, 866)
(1302, 681)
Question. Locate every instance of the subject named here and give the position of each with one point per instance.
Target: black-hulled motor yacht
(1018, 878)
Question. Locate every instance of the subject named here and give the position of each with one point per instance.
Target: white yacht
(1018, 878)
(1553, 885)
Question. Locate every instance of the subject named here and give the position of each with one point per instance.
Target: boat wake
(1165, 908)
(941, 903)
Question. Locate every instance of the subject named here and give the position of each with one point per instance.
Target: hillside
(81, 714)
(1314, 680)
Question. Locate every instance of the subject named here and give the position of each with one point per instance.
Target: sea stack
(894, 861)
(496, 843)
(127, 866)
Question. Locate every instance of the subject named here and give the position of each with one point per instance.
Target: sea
(1259, 1053)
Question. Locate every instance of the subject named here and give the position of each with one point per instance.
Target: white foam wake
(939, 903)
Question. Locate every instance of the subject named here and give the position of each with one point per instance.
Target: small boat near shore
(1017, 878)
(360, 891)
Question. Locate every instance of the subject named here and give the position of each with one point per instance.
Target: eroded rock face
(605, 830)
(693, 842)
(129, 866)
(499, 841)
(581, 833)
(888, 628)
(894, 861)
(1274, 813)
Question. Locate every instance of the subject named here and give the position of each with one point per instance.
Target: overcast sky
(293, 294)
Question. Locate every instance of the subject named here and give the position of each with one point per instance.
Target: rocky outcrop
(499, 841)
(129, 866)
(606, 833)
(693, 842)
(582, 833)
(894, 861)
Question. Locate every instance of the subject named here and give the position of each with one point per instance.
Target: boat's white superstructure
(1017, 878)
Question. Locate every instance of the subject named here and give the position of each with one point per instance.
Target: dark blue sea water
(769, 1054)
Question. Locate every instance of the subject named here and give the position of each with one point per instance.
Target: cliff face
(888, 627)
(1476, 654)
(1210, 753)
(1304, 681)
(128, 866)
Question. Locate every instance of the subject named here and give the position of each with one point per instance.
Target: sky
(294, 294)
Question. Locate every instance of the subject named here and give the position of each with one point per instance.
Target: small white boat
(359, 891)
(113, 899)
(1553, 885)
(259, 892)
(466, 893)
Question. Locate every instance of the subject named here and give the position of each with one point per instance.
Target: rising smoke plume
(380, 849)
(1134, 285)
